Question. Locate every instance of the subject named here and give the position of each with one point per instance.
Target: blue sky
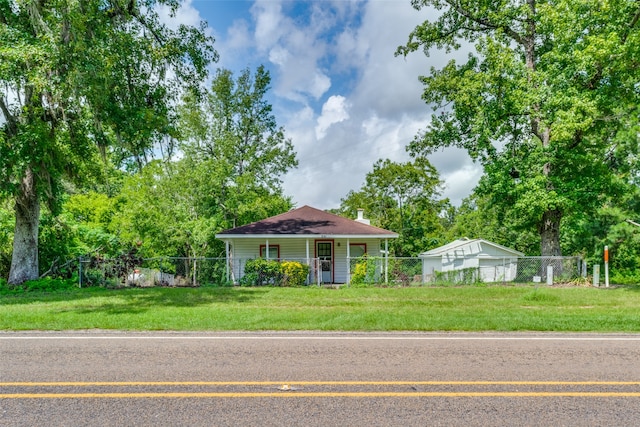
(342, 96)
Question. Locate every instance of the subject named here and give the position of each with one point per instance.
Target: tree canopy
(83, 80)
(403, 197)
(544, 100)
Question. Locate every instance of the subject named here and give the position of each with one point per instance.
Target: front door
(324, 252)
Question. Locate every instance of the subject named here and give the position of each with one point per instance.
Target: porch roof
(306, 222)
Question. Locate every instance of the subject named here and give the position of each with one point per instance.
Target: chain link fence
(392, 270)
(396, 271)
(147, 272)
(475, 270)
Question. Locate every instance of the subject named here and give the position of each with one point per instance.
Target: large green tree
(233, 156)
(403, 197)
(542, 101)
(231, 134)
(82, 80)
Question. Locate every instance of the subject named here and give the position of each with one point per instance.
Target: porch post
(308, 261)
(348, 262)
(267, 249)
(226, 253)
(386, 260)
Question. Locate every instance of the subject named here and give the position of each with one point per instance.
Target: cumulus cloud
(343, 97)
(333, 111)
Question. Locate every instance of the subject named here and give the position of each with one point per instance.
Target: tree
(479, 217)
(83, 80)
(232, 136)
(402, 197)
(233, 156)
(542, 102)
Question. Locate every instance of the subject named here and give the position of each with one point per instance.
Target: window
(357, 250)
(274, 251)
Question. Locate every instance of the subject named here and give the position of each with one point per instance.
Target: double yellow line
(291, 389)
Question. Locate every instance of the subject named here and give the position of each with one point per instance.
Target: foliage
(403, 271)
(6, 238)
(231, 138)
(608, 227)
(113, 272)
(230, 173)
(365, 271)
(84, 81)
(402, 197)
(545, 101)
(294, 273)
(261, 272)
(479, 217)
(38, 286)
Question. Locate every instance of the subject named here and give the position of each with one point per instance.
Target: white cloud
(343, 97)
(186, 14)
(333, 111)
(270, 23)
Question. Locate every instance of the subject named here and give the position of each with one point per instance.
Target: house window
(274, 251)
(357, 250)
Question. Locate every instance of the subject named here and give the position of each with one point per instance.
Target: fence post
(80, 272)
(606, 266)
(596, 275)
(549, 275)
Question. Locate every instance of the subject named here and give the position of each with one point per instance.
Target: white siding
(296, 249)
(495, 263)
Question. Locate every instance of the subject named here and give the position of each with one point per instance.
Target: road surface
(89, 378)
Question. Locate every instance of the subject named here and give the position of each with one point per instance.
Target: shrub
(294, 273)
(364, 272)
(40, 285)
(263, 272)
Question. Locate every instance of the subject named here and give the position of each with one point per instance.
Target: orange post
(606, 266)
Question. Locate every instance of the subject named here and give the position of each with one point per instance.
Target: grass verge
(347, 309)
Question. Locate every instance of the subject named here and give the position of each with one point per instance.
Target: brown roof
(308, 221)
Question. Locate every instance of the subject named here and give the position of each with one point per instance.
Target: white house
(307, 235)
(478, 258)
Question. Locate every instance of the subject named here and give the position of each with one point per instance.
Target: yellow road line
(310, 383)
(313, 394)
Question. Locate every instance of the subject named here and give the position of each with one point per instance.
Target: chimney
(361, 217)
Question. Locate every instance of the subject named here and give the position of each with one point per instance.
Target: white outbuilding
(470, 260)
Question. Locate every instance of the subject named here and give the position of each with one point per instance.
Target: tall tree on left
(80, 79)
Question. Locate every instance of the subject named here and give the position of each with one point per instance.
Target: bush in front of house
(364, 272)
(261, 272)
(294, 273)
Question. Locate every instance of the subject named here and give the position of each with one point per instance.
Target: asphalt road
(97, 378)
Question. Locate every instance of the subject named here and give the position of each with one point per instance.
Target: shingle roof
(307, 221)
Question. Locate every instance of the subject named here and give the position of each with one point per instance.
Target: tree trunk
(549, 229)
(24, 261)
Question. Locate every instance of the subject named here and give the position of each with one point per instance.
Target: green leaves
(550, 85)
(84, 80)
(402, 197)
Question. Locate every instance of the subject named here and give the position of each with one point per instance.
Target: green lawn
(492, 308)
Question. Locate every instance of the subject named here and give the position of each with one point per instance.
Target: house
(322, 240)
(482, 259)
